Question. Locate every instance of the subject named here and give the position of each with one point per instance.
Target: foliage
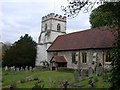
(21, 53)
(52, 79)
(38, 85)
(108, 15)
(115, 76)
(5, 46)
(105, 15)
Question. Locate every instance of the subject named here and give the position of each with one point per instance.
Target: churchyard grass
(10, 78)
(51, 79)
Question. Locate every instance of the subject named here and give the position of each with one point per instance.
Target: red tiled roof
(98, 38)
(59, 59)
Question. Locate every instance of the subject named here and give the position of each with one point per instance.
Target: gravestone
(76, 76)
(100, 70)
(26, 68)
(83, 73)
(6, 69)
(13, 69)
(17, 69)
(30, 68)
(21, 69)
(34, 69)
(90, 72)
(97, 70)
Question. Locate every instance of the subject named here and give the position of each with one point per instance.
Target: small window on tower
(58, 27)
(45, 27)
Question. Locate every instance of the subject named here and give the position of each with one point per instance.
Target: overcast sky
(19, 17)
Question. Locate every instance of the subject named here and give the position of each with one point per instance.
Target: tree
(5, 46)
(21, 53)
(108, 15)
(103, 15)
(113, 9)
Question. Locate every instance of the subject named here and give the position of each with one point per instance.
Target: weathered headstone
(100, 70)
(13, 69)
(76, 76)
(83, 73)
(6, 69)
(30, 68)
(34, 69)
(97, 70)
(90, 72)
(17, 69)
(21, 69)
(26, 68)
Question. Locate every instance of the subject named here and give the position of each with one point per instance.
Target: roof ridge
(85, 30)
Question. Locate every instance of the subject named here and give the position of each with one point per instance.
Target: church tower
(52, 26)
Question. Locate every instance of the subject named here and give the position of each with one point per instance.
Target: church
(77, 50)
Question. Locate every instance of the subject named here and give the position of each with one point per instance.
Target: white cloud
(24, 16)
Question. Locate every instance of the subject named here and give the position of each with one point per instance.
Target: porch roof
(59, 59)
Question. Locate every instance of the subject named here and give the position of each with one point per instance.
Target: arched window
(108, 56)
(58, 27)
(45, 27)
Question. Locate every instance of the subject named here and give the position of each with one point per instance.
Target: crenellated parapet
(54, 16)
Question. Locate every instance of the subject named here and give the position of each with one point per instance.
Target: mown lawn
(10, 78)
(51, 79)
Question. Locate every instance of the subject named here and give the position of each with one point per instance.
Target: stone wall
(90, 58)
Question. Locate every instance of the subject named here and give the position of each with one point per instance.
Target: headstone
(34, 69)
(76, 76)
(17, 69)
(26, 68)
(90, 72)
(21, 69)
(30, 68)
(83, 73)
(6, 68)
(13, 69)
(97, 70)
(100, 70)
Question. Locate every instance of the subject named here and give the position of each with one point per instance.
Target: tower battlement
(54, 16)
